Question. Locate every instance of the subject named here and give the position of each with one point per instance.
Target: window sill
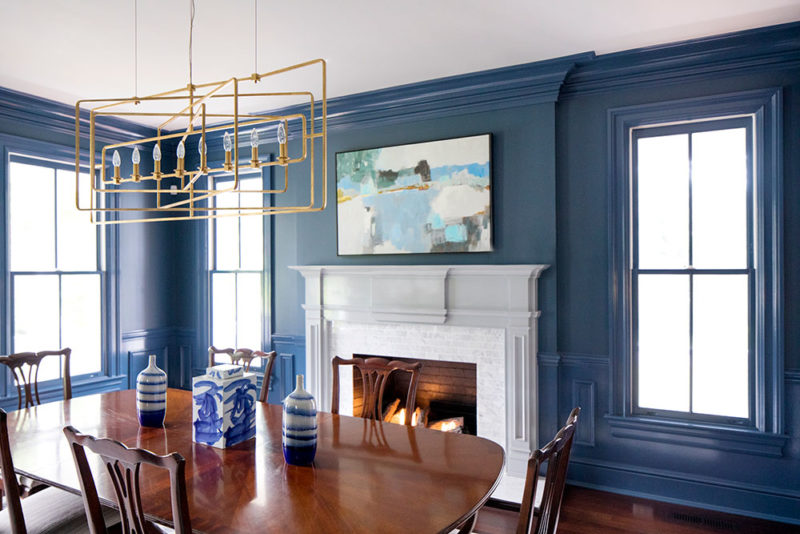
(85, 386)
(741, 440)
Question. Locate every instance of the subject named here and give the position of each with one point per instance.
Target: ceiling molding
(520, 85)
(762, 49)
(56, 117)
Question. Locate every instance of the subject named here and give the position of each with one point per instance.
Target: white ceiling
(68, 50)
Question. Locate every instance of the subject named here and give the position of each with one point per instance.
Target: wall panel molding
(584, 395)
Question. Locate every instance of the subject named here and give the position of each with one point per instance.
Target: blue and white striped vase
(299, 426)
(151, 395)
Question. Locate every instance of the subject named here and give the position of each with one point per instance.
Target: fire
(400, 417)
(449, 426)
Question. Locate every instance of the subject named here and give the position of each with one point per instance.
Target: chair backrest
(123, 466)
(269, 357)
(10, 484)
(29, 381)
(556, 455)
(374, 374)
(246, 356)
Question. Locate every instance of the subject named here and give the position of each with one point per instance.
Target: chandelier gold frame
(192, 100)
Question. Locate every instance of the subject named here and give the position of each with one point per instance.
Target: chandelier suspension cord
(191, 30)
(135, 48)
(255, 41)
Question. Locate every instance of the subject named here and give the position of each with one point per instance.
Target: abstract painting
(416, 198)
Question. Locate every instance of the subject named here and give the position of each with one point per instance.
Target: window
(691, 270)
(237, 286)
(54, 267)
(695, 275)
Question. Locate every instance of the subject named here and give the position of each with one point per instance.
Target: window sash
(12, 274)
(212, 229)
(690, 128)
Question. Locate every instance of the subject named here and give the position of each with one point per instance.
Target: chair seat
(55, 511)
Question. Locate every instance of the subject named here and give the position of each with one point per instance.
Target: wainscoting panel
(583, 395)
(172, 346)
(289, 363)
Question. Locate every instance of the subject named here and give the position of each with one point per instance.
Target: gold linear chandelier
(204, 112)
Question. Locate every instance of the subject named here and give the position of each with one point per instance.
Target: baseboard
(750, 500)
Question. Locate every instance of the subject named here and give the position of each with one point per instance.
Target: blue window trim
(765, 105)
(32, 150)
(204, 287)
(691, 128)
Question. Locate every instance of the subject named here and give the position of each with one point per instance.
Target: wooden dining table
(367, 476)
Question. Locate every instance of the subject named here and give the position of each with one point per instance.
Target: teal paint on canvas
(418, 198)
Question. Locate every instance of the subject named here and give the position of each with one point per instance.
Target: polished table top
(367, 476)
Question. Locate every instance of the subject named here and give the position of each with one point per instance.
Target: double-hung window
(237, 277)
(692, 269)
(54, 267)
(696, 263)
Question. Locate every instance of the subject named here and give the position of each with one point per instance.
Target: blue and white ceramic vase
(151, 395)
(299, 426)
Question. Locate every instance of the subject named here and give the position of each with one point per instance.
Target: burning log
(418, 418)
(453, 424)
(390, 410)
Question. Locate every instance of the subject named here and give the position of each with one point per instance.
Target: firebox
(446, 395)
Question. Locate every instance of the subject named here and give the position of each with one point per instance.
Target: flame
(448, 426)
(400, 417)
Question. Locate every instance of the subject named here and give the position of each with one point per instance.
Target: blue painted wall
(550, 206)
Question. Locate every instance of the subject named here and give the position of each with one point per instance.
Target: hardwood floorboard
(587, 511)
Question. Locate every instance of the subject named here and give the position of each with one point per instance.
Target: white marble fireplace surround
(482, 314)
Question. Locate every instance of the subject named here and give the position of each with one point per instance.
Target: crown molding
(57, 117)
(737, 53)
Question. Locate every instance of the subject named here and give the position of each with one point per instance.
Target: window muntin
(56, 284)
(692, 270)
(236, 270)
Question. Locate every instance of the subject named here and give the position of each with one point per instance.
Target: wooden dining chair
(269, 359)
(123, 465)
(49, 511)
(247, 356)
(24, 367)
(539, 513)
(374, 374)
(543, 519)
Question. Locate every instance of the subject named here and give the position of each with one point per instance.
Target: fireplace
(446, 391)
(485, 315)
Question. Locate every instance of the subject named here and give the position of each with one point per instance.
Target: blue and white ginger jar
(299, 426)
(151, 395)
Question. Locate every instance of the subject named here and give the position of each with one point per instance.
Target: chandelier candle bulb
(202, 148)
(254, 145)
(117, 161)
(181, 153)
(136, 158)
(227, 144)
(157, 161)
(283, 157)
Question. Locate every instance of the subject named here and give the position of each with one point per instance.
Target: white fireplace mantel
(480, 296)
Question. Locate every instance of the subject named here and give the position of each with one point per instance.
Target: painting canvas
(418, 198)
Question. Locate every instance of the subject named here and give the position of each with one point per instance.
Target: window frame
(764, 107)
(689, 128)
(209, 244)
(62, 157)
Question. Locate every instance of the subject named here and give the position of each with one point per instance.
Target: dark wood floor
(586, 511)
